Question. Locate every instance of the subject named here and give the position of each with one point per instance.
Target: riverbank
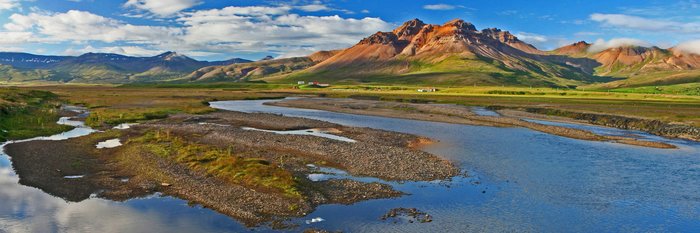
(28, 113)
(449, 113)
(655, 127)
(212, 160)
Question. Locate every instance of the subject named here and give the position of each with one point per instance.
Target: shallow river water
(519, 180)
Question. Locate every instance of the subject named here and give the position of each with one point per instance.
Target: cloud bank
(645, 24)
(441, 7)
(274, 29)
(600, 44)
(162, 8)
(692, 46)
(8, 4)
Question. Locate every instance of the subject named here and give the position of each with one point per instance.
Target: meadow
(28, 113)
(111, 105)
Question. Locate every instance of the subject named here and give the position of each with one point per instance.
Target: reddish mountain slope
(627, 61)
(454, 49)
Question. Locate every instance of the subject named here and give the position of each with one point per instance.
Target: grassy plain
(665, 107)
(116, 104)
(112, 105)
(28, 113)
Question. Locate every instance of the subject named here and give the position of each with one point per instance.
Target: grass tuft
(255, 173)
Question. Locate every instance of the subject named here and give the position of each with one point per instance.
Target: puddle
(124, 126)
(312, 132)
(214, 124)
(315, 220)
(328, 173)
(68, 121)
(111, 143)
(481, 111)
(318, 177)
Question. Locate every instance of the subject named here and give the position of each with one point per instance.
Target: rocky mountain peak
(170, 56)
(508, 38)
(381, 38)
(581, 43)
(579, 48)
(498, 34)
(167, 54)
(461, 25)
(409, 29)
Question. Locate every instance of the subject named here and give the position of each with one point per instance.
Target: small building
(318, 84)
(301, 82)
(427, 89)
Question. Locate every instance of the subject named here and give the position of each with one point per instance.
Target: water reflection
(28, 209)
(530, 181)
(311, 132)
(520, 180)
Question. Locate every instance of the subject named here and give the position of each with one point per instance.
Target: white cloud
(645, 24)
(272, 29)
(441, 7)
(600, 44)
(81, 26)
(15, 37)
(317, 6)
(314, 7)
(508, 12)
(531, 37)
(124, 50)
(692, 46)
(162, 8)
(580, 34)
(12, 49)
(543, 42)
(8, 4)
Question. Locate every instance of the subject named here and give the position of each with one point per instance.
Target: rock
(410, 214)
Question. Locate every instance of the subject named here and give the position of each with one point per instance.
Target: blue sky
(223, 29)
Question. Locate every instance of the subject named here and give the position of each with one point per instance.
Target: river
(519, 180)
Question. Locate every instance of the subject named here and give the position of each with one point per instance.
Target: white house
(427, 90)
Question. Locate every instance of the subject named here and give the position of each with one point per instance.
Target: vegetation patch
(114, 116)
(27, 113)
(692, 89)
(255, 173)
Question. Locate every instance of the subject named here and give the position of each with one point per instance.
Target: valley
(319, 116)
(452, 54)
(179, 142)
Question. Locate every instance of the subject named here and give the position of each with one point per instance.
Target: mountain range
(454, 53)
(100, 67)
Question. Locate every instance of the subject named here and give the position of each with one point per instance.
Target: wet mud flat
(456, 114)
(212, 160)
(656, 127)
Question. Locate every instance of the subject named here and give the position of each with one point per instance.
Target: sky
(224, 29)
